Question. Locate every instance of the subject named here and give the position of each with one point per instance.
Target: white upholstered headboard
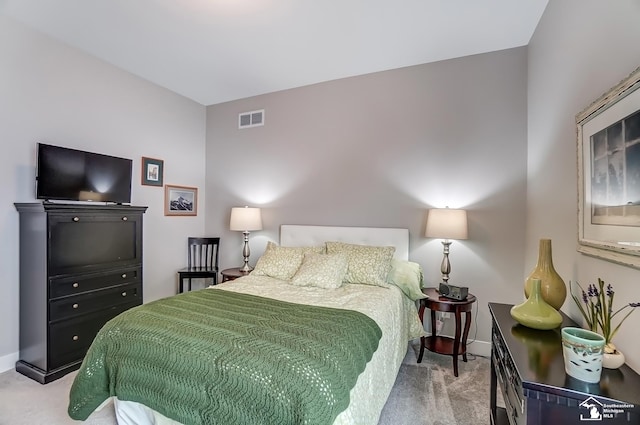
(299, 235)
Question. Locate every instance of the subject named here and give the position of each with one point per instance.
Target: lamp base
(445, 267)
(246, 252)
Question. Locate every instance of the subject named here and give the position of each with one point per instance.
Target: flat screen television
(74, 175)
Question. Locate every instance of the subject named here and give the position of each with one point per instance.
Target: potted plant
(596, 306)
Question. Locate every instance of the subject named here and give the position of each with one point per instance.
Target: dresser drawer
(92, 240)
(74, 306)
(508, 379)
(70, 339)
(61, 287)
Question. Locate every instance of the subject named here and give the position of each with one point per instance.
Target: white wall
(55, 94)
(580, 49)
(378, 150)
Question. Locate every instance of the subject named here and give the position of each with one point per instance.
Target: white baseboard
(480, 348)
(8, 362)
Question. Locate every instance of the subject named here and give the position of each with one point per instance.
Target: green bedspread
(218, 357)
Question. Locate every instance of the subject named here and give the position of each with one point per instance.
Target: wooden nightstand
(233, 273)
(444, 344)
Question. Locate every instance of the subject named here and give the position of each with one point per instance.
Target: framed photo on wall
(152, 171)
(180, 200)
(608, 148)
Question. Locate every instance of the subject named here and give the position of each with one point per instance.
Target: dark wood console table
(528, 367)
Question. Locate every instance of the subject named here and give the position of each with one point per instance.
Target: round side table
(233, 273)
(444, 344)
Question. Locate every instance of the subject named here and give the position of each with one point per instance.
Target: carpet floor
(425, 393)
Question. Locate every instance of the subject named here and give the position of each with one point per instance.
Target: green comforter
(219, 357)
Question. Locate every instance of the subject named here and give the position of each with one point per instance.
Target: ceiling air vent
(251, 119)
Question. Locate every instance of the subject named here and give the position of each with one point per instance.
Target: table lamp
(245, 220)
(446, 223)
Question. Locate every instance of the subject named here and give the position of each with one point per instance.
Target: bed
(297, 294)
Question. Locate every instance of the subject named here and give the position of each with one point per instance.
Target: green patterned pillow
(321, 270)
(282, 262)
(369, 265)
(407, 276)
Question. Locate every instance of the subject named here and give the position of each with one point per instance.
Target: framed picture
(152, 171)
(180, 200)
(608, 147)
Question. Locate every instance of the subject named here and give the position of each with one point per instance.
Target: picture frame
(152, 171)
(180, 200)
(608, 158)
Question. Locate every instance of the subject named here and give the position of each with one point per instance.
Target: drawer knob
(75, 284)
(75, 337)
(124, 275)
(124, 294)
(75, 306)
(124, 219)
(76, 218)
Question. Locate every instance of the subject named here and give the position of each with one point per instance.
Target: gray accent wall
(581, 48)
(379, 150)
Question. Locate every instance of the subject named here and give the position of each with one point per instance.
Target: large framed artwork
(608, 147)
(180, 200)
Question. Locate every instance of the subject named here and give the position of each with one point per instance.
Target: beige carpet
(424, 394)
(427, 393)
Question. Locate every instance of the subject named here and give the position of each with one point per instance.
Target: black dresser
(80, 265)
(528, 367)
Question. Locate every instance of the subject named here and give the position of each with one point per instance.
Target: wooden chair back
(203, 253)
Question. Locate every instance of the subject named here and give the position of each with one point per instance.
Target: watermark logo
(590, 410)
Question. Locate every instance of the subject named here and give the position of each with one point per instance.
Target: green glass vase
(554, 290)
(535, 312)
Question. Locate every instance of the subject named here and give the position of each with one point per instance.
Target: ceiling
(213, 51)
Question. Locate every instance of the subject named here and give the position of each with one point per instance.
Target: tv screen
(75, 175)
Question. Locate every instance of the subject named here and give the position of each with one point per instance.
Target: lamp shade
(245, 219)
(446, 223)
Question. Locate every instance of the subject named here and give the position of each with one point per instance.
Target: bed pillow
(369, 265)
(407, 276)
(282, 262)
(321, 270)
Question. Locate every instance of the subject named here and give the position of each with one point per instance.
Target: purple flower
(598, 311)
